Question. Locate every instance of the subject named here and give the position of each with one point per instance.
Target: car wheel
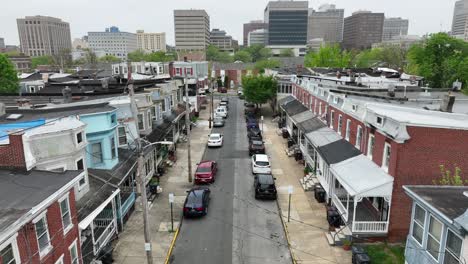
(256, 196)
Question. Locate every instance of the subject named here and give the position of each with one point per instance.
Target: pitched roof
(338, 151)
(294, 107)
(310, 125)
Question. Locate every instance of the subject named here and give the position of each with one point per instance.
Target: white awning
(363, 178)
(87, 221)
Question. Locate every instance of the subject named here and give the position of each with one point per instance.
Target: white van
(221, 112)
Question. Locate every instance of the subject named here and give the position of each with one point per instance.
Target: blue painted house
(101, 133)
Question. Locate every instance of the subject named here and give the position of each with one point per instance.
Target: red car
(206, 172)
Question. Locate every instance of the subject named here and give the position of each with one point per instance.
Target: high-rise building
(393, 27)
(326, 24)
(2, 43)
(460, 15)
(43, 35)
(362, 29)
(151, 42)
(251, 26)
(222, 41)
(113, 42)
(192, 29)
(287, 23)
(257, 37)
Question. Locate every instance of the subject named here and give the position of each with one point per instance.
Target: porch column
(120, 209)
(389, 201)
(354, 213)
(114, 218)
(347, 206)
(92, 237)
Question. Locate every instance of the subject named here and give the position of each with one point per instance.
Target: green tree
(447, 177)
(243, 56)
(212, 53)
(265, 53)
(109, 59)
(137, 55)
(440, 59)
(41, 60)
(160, 56)
(8, 76)
(286, 53)
(226, 81)
(259, 89)
(366, 58)
(258, 52)
(266, 64)
(328, 56)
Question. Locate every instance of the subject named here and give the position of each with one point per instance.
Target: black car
(256, 147)
(254, 132)
(196, 203)
(264, 185)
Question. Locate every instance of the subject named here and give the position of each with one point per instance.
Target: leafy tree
(220, 82)
(259, 89)
(137, 55)
(243, 56)
(366, 58)
(258, 52)
(226, 81)
(225, 57)
(265, 53)
(286, 53)
(41, 60)
(440, 59)
(160, 56)
(448, 177)
(109, 59)
(328, 56)
(8, 76)
(266, 64)
(212, 53)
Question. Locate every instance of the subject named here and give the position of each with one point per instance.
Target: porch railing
(128, 203)
(106, 235)
(341, 208)
(370, 227)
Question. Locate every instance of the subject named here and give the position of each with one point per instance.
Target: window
(42, 234)
(348, 129)
(80, 164)
(113, 119)
(359, 137)
(153, 112)
(74, 253)
(66, 217)
(370, 146)
(379, 120)
(386, 157)
(82, 182)
(453, 247)
(163, 104)
(419, 219)
(160, 111)
(79, 138)
(96, 152)
(113, 149)
(7, 256)
(354, 108)
(335, 100)
(332, 118)
(172, 100)
(340, 123)
(150, 119)
(141, 124)
(320, 109)
(60, 260)
(122, 135)
(433, 237)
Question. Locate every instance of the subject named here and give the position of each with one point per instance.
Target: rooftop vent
(14, 116)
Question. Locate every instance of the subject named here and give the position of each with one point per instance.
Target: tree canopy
(158, 56)
(328, 56)
(286, 53)
(8, 76)
(214, 54)
(259, 89)
(41, 60)
(243, 56)
(266, 64)
(109, 59)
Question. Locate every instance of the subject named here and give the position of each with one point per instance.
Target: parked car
(255, 139)
(256, 147)
(224, 104)
(218, 122)
(215, 140)
(196, 203)
(264, 186)
(206, 172)
(225, 100)
(240, 92)
(250, 109)
(221, 112)
(222, 90)
(252, 124)
(260, 164)
(254, 132)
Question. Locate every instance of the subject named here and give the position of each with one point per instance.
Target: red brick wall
(12, 155)
(232, 75)
(27, 241)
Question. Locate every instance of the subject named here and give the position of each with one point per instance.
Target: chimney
(105, 83)
(447, 103)
(23, 103)
(67, 95)
(45, 77)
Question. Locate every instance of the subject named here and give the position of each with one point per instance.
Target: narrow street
(238, 228)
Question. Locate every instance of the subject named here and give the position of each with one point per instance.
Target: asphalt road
(238, 228)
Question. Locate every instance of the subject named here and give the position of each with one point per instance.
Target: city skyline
(231, 19)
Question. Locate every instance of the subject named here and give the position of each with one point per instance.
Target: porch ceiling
(363, 178)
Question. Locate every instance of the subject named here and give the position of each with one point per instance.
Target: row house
(397, 145)
(142, 70)
(38, 217)
(438, 225)
(234, 72)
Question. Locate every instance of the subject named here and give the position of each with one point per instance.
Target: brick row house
(369, 145)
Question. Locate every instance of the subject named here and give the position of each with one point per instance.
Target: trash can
(334, 219)
(285, 133)
(362, 259)
(356, 250)
(320, 195)
(298, 156)
(105, 255)
(290, 142)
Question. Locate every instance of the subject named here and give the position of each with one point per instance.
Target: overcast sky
(157, 15)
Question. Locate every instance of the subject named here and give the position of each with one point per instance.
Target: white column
(347, 206)
(354, 212)
(389, 200)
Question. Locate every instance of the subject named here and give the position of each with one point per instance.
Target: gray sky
(157, 15)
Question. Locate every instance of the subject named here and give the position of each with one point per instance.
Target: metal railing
(105, 236)
(370, 227)
(341, 208)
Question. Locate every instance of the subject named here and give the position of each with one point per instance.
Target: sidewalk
(130, 245)
(308, 225)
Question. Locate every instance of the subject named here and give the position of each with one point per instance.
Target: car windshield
(203, 169)
(214, 137)
(218, 120)
(255, 142)
(265, 179)
(263, 163)
(194, 198)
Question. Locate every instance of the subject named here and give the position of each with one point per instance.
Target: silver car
(218, 122)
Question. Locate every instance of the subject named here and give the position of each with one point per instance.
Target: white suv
(221, 112)
(261, 164)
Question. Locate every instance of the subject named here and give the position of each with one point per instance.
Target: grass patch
(386, 254)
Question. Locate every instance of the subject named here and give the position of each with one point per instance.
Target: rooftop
(23, 191)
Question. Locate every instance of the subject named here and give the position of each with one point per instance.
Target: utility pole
(144, 202)
(187, 126)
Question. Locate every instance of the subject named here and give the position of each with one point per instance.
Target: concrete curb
(286, 233)
(171, 247)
